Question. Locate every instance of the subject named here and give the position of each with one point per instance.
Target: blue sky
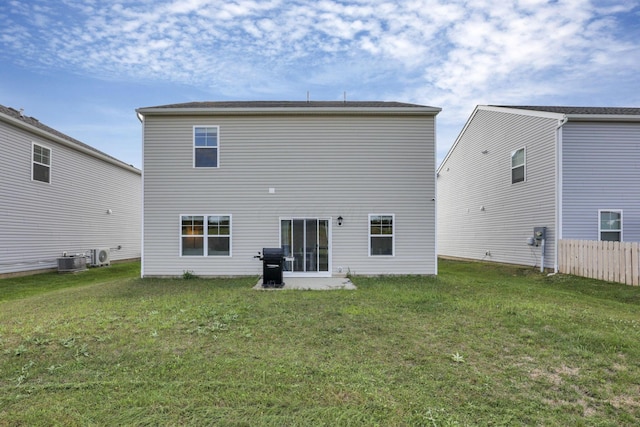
(84, 66)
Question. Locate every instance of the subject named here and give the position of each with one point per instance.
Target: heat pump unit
(100, 257)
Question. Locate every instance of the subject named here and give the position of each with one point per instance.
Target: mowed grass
(480, 344)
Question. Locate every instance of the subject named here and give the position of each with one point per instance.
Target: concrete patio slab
(311, 283)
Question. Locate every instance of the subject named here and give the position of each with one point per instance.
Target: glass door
(305, 242)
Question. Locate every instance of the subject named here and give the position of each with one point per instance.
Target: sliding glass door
(305, 242)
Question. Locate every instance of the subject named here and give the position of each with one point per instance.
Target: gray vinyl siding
(40, 221)
(601, 170)
(320, 166)
(481, 214)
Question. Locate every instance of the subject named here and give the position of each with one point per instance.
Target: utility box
(540, 233)
(71, 264)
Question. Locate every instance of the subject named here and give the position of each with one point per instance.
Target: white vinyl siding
(600, 171)
(481, 214)
(70, 214)
(297, 165)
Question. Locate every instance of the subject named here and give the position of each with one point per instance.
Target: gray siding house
(573, 170)
(58, 195)
(341, 187)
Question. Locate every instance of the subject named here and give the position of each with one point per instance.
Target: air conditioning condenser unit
(100, 257)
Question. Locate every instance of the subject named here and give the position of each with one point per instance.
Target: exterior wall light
(340, 219)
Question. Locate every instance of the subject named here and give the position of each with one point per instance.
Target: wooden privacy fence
(611, 261)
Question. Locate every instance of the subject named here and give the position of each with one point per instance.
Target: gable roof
(299, 107)
(560, 113)
(17, 118)
(618, 111)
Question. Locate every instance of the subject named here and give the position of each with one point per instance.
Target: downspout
(435, 196)
(141, 118)
(558, 231)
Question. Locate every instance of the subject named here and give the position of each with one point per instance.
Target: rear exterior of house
(58, 195)
(572, 170)
(340, 187)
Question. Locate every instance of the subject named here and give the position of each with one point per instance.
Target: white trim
(217, 147)
(393, 235)
(205, 236)
(600, 230)
(435, 199)
(33, 162)
(246, 111)
(559, 193)
(329, 272)
(522, 111)
(523, 165)
(142, 258)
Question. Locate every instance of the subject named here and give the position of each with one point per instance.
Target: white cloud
(452, 54)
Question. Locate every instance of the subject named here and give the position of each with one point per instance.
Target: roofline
(570, 116)
(92, 152)
(523, 112)
(455, 143)
(173, 111)
(545, 114)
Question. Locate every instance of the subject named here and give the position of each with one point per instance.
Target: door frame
(329, 245)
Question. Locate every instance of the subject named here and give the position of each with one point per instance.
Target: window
(205, 235)
(205, 147)
(41, 165)
(381, 235)
(219, 235)
(518, 161)
(610, 226)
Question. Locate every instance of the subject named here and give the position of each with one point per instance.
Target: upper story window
(518, 163)
(381, 241)
(41, 164)
(206, 146)
(205, 235)
(610, 228)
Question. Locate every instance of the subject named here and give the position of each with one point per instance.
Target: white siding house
(342, 187)
(573, 170)
(58, 195)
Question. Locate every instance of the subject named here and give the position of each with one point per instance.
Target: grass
(481, 344)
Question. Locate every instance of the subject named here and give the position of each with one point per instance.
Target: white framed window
(205, 235)
(41, 163)
(610, 225)
(518, 166)
(206, 146)
(381, 234)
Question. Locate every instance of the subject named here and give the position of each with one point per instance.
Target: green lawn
(480, 344)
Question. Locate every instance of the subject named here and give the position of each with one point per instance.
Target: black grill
(272, 263)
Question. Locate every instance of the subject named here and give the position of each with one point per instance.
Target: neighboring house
(58, 195)
(342, 187)
(573, 170)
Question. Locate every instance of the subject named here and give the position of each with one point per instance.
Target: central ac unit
(100, 257)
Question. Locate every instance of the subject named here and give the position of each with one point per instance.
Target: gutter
(602, 118)
(558, 235)
(417, 111)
